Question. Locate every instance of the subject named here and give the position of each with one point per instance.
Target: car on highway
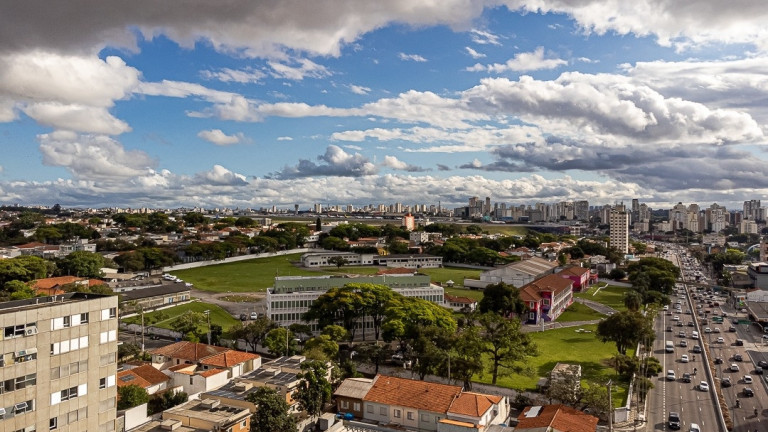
(686, 377)
(725, 382)
(697, 348)
(703, 386)
(720, 340)
(747, 392)
(666, 307)
(732, 329)
(694, 334)
(681, 334)
(690, 323)
(669, 328)
(716, 329)
(694, 428)
(718, 360)
(734, 367)
(763, 364)
(739, 342)
(675, 318)
(671, 375)
(684, 358)
(683, 343)
(747, 379)
(738, 357)
(673, 421)
(758, 371)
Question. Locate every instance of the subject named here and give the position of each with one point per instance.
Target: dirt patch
(242, 298)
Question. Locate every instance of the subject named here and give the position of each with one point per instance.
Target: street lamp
(208, 315)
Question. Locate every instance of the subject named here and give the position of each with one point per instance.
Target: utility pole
(142, 329)
(610, 407)
(208, 314)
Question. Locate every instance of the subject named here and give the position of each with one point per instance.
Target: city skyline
(258, 104)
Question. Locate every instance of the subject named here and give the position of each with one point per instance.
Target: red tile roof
(473, 404)
(211, 372)
(551, 282)
(459, 299)
(228, 359)
(144, 376)
(191, 351)
(575, 271)
(559, 417)
(415, 394)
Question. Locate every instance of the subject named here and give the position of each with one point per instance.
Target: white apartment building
(291, 296)
(618, 220)
(58, 363)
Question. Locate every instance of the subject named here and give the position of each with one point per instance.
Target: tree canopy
(272, 412)
(626, 329)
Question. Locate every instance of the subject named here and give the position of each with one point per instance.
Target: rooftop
(41, 302)
(415, 394)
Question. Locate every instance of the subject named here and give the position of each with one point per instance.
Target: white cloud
(356, 89)
(79, 118)
(216, 136)
(220, 176)
(484, 37)
(284, 138)
(335, 162)
(411, 57)
(244, 76)
(474, 54)
(302, 68)
(396, 164)
(522, 62)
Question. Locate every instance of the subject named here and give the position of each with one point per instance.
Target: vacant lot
(579, 312)
(219, 316)
(610, 295)
(568, 345)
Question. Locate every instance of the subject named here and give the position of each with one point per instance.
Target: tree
(373, 353)
(189, 323)
(322, 348)
(272, 412)
(463, 358)
(314, 390)
(595, 397)
(335, 332)
(338, 261)
(633, 300)
(617, 274)
(18, 290)
(404, 318)
(131, 396)
(502, 299)
(166, 400)
(397, 247)
(504, 343)
(82, 263)
(374, 300)
(337, 304)
(625, 328)
(565, 386)
(280, 342)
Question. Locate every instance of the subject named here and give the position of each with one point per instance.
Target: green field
(218, 316)
(582, 348)
(579, 312)
(611, 295)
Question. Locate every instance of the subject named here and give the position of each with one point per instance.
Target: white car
(703, 386)
(666, 307)
(675, 318)
(671, 375)
(747, 379)
(717, 330)
(707, 330)
(694, 428)
(720, 340)
(684, 358)
(734, 367)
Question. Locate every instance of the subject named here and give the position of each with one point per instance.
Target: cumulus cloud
(242, 76)
(335, 162)
(474, 54)
(220, 176)
(396, 164)
(411, 57)
(522, 62)
(93, 157)
(216, 136)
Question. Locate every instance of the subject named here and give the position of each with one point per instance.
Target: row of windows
(65, 419)
(397, 413)
(69, 321)
(69, 393)
(108, 313)
(18, 383)
(69, 345)
(108, 381)
(14, 357)
(107, 404)
(20, 330)
(108, 336)
(107, 359)
(17, 409)
(69, 369)
(291, 304)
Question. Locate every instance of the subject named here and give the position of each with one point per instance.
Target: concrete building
(58, 363)
(201, 416)
(619, 229)
(517, 273)
(291, 296)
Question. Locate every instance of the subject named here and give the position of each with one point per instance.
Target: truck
(670, 347)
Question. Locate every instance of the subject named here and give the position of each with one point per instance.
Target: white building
(619, 229)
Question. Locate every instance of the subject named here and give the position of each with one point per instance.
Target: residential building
(517, 273)
(619, 229)
(291, 296)
(748, 226)
(201, 416)
(460, 304)
(547, 297)
(204, 358)
(349, 396)
(555, 418)
(580, 276)
(55, 285)
(409, 222)
(58, 361)
(146, 377)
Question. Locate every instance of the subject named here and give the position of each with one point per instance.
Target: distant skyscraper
(752, 209)
(619, 229)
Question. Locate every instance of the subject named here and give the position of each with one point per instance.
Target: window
(53, 423)
(410, 415)
(383, 410)
(69, 393)
(357, 406)
(107, 359)
(55, 373)
(102, 383)
(67, 321)
(344, 404)
(113, 312)
(242, 423)
(83, 318)
(370, 409)
(397, 413)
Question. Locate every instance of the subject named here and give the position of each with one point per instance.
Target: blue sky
(253, 104)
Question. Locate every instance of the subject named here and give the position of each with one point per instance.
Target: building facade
(58, 363)
(618, 221)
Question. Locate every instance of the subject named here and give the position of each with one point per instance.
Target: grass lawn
(579, 312)
(244, 276)
(611, 295)
(566, 345)
(218, 316)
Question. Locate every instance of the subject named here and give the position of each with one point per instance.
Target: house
(394, 404)
(201, 416)
(54, 285)
(459, 303)
(146, 377)
(194, 379)
(579, 275)
(517, 273)
(204, 357)
(547, 297)
(349, 396)
(555, 418)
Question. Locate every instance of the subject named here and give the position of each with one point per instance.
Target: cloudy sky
(278, 102)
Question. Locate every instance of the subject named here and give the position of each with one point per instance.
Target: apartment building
(58, 363)
(618, 221)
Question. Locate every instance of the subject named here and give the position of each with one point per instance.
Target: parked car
(254, 315)
(243, 317)
(763, 364)
(739, 342)
(747, 379)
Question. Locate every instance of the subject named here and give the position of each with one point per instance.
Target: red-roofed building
(478, 409)
(547, 297)
(459, 303)
(144, 376)
(54, 286)
(579, 275)
(555, 418)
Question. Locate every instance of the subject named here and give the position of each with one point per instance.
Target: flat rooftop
(43, 302)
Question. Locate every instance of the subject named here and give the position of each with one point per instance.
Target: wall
(232, 259)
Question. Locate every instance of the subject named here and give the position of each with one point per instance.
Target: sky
(250, 104)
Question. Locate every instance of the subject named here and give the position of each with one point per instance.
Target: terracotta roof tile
(551, 282)
(559, 418)
(228, 359)
(473, 404)
(211, 372)
(191, 351)
(128, 377)
(148, 373)
(459, 299)
(415, 394)
(48, 283)
(576, 271)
